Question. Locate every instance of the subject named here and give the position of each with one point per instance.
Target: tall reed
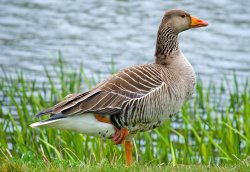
(212, 128)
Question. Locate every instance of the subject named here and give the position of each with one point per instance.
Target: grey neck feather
(166, 45)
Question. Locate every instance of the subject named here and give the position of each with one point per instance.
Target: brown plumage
(138, 98)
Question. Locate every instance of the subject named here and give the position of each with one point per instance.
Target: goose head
(180, 20)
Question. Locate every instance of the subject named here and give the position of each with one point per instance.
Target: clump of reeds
(212, 128)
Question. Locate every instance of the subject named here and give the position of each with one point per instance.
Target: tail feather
(45, 123)
(53, 118)
(45, 111)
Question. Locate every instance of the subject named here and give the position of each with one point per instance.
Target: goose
(136, 99)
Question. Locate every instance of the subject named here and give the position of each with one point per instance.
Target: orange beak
(195, 22)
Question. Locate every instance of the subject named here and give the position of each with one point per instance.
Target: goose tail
(86, 124)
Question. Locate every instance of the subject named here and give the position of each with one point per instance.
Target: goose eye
(183, 16)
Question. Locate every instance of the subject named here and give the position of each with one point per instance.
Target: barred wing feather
(109, 96)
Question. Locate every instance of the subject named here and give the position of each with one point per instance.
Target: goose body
(136, 99)
(139, 98)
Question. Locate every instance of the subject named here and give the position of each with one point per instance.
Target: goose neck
(166, 45)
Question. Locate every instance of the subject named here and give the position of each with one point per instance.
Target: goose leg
(119, 138)
(128, 152)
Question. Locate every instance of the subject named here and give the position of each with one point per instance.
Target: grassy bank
(211, 129)
(105, 166)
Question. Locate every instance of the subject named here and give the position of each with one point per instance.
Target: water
(91, 32)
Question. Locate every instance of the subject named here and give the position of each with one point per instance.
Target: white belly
(86, 124)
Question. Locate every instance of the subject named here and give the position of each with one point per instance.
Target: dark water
(91, 32)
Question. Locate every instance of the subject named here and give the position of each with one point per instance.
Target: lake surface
(92, 32)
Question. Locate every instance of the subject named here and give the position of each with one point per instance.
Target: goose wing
(109, 96)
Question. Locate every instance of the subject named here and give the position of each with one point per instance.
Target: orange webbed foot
(120, 136)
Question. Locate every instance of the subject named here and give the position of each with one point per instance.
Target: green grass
(106, 166)
(211, 129)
